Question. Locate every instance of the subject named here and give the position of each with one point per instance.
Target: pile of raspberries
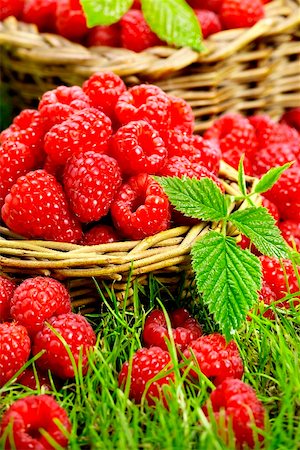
(66, 17)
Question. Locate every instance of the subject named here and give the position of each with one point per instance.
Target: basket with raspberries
(248, 63)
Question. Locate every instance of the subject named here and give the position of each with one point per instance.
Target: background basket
(248, 70)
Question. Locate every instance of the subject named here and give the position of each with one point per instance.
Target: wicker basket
(164, 255)
(248, 70)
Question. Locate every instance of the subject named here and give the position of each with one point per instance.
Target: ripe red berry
(146, 364)
(85, 130)
(70, 19)
(7, 288)
(136, 34)
(36, 207)
(212, 5)
(141, 208)
(100, 234)
(267, 297)
(292, 118)
(76, 333)
(37, 299)
(271, 207)
(290, 231)
(181, 116)
(11, 8)
(105, 35)
(35, 380)
(138, 148)
(280, 281)
(53, 169)
(15, 350)
(272, 155)
(209, 22)
(233, 157)
(28, 415)
(91, 181)
(235, 406)
(264, 127)
(241, 13)
(217, 359)
(42, 13)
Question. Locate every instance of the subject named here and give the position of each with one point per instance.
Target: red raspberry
(141, 208)
(36, 300)
(264, 129)
(138, 148)
(78, 335)
(241, 13)
(83, 131)
(267, 297)
(103, 90)
(15, 350)
(7, 288)
(212, 5)
(42, 13)
(16, 159)
(209, 22)
(57, 105)
(54, 169)
(290, 231)
(11, 8)
(272, 155)
(271, 207)
(285, 194)
(36, 207)
(146, 364)
(28, 415)
(232, 157)
(70, 19)
(100, 234)
(280, 281)
(185, 329)
(91, 181)
(34, 381)
(235, 405)
(181, 115)
(136, 34)
(292, 118)
(108, 36)
(286, 134)
(216, 359)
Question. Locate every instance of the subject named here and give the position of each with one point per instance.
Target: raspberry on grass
(70, 19)
(209, 22)
(11, 8)
(241, 13)
(217, 359)
(104, 35)
(36, 207)
(146, 364)
(89, 129)
(267, 297)
(100, 234)
(103, 90)
(235, 406)
(141, 208)
(7, 288)
(136, 34)
(91, 181)
(290, 231)
(42, 13)
(181, 115)
(76, 333)
(28, 415)
(35, 380)
(37, 299)
(15, 350)
(138, 148)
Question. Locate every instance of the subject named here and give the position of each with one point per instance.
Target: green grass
(103, 417)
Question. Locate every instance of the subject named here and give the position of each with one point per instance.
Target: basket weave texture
(248, 70)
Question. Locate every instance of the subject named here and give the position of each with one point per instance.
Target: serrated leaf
(174, 21)
(228, 278)
(201, 199)
(241, 177)
(269, 179)
(260, 227)
(104, 12)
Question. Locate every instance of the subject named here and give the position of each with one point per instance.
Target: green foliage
(268, 180)
(104, 12)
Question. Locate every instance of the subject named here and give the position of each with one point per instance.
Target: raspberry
(36, 207)
(272, 155)
(271, 207)
(30, 414)
(42, 13)
(290, 231)
(267, 296)
(185, 329)
(280, 281)
(264, 129)
(84, 130)
(141, 208)
(147, 363)
(15, 350)
(70, 20)
(181, 115)
(292, 118)
(34, 381)
(240, 13)
(136, 34)
(57, 105)
(209, 22)
(7, 288)
(217, 360)
(100, 234)
(36, 300)
(78, 335)
(235, 405)
(212, 5)
(233, 157)
(91, 181)
(138, 148)
(53, 169)
(103, 90)
(285, 194)
(11, 8)
(105, 35)
(285, 134)
(16, 159)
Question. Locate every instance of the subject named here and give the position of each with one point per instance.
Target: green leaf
(241, 177)
(228, 278)
(174, 21)
(201, 199)
(269, 179)
(260, 227)
(104, 12)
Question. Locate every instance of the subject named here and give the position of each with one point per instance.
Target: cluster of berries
(66, 18)
(150, 371)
